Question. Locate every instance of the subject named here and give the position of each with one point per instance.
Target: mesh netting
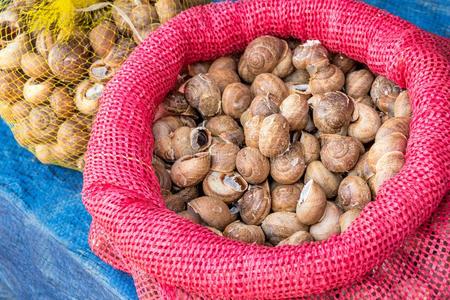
(390, 251)
(55, 60)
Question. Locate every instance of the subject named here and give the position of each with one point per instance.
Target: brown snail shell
(44, 42)
(327, 180)
(358, 83)
(9, 24)
(6, 112)
(126, 6)
(262, 55)
(69, 61)
(311, 56)
(36, 91)
(340, 153)
(264, 106)
(216, 231)
(103, 37)
(384, 92)
(223, 156)
(246, 233)
(99, 71)
(269, 84)
(167, 9)
(366, 126)
(396, 124)
(11, 86)
(73, 135)
(203, 94)
(347, 218)
(252, 165)
(201, 67)
(311, 205)
(284, 66)
(362, 168)
(255, 204)
(162, 130)
(24, 134)
(44, 153)
(236, 98)
(311, 147)
(343, 62)
(402, 105)
(288, 167)
(188, 141)
(273, 135)
(44, 123)
(227, 187)
(278, 226)
(286, 196)
(387, 167)
(393, 142)
(298, 77)
(295, 109)
(34, 65)
(12, 52)
(177, 202)
(328, 224)
(226, 128)
(176, 104)
(222, 64)
(353, 193)
(298, 238)
(252, 128)
(20, 110)
(119, 52)
(224, 77)
(165, 182)
(143, 14)
(190, 215)
(332, 112)
(87, 96)
(246, 115)
(212, 211)
(190, 170)
(326, 79)
(366, 99)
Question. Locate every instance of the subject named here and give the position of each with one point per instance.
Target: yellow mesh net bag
(56, 57)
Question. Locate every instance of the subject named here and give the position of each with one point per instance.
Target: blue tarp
(43, 225)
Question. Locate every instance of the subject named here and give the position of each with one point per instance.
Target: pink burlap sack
(394, 250)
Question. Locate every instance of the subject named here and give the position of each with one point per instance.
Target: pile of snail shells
(50, 87)
(283, 145)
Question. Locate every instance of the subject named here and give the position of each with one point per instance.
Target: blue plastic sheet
(43, 225)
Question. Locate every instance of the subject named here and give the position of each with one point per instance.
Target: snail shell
(246, 233)
(203, 94)
(236, 98)
(312, 203)
(190, 170)
(6, 112)
(119, 52)
(198, 68)
(387, 167)
(212, 211)
(353, 193)
(227, 187)
(36, 91)
(177, 202)
(328, 224)
(280, 225)
(384, 92)
(295, 109)
(262, 55)
(222, 64)
(101, 72)
(311, 147)
(103, 37)
(87, 97)
(358, 83)
(402, 105)
(310, 56)
(44, 123)
(393, 142)
(226, 128)
(34, 65)
(252, 165)
(223, 156)
(44, 42)
(362, 168)
(298, 77)
(73, 135)
(11, 53)
(343, 62)
(163, 176)
(224, 77)
(366, 99)
(396, 124)
(286, 196)
(252, 128)
(264, 106)
(188, 141)
(190, 215)
(11, 86)
(255, 204)
(20, 110)
(288, 167)
(162, 130)
(332, 112)
(366, 126)
(274, 135)
(347, 218)
(269, 84)
(326, 79)
(327, 180)
(284, 66)
(167, 9)
(340, 153)
(298, 238)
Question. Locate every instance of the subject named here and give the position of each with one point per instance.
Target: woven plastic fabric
(171, 258)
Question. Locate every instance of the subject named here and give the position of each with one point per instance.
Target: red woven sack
(398, 248)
